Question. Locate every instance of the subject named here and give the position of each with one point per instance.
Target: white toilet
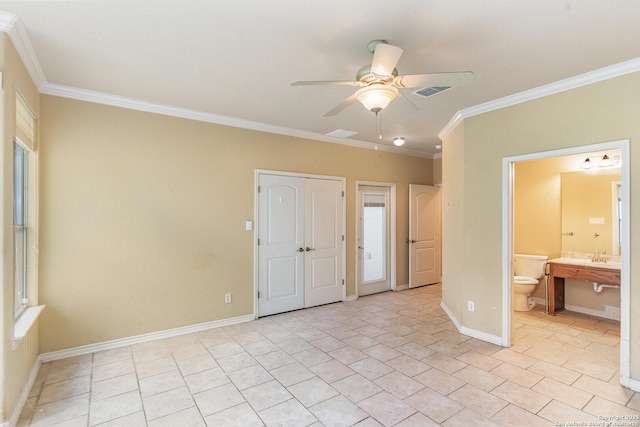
(528, 270)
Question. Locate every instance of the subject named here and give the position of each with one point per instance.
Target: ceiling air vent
(426, 92)
(341, 133)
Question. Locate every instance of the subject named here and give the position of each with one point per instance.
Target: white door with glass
(300, 250)
(373, 240)
(424, 235)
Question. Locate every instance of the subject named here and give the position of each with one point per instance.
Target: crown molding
(12, 25)
(591, 77)
(455, 121)
(6, 21)
(149, 107)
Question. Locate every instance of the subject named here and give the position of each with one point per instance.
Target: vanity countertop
(583, 262)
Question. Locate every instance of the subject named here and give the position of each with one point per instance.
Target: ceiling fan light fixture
(398, 141)
(376, 97)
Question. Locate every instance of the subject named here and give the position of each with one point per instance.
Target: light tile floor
(392, 359)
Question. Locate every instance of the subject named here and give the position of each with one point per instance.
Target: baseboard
(351, 297)
(474, 333)
(401, 287)
(590, 311)
(24, 396)
(108, 345)
(609, 312)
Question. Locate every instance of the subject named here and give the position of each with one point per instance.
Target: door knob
(300, 250)
(310, 249)
(411, 241)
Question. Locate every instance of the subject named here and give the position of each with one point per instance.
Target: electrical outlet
(227, 298)
(471, 306)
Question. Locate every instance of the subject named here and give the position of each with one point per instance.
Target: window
(20, 227)
(24, 209)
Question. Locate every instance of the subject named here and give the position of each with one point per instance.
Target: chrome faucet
(598, 257)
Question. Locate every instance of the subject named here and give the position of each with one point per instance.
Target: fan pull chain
(379, 124)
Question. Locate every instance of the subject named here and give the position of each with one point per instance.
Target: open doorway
(510, 246)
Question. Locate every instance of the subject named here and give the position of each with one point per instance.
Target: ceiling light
(587, 164)
(438, 146)
(605, 162)
(376, 97)
(398, 141)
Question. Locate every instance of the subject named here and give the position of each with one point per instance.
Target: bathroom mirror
(591, 211)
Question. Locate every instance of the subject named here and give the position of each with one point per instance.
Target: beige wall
(601, 112)
(16, 361)
(437, 171)
(537, 227)
(453, 237)
(143, 216)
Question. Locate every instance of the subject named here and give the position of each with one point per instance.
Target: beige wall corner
(600, 112)
(18, 356)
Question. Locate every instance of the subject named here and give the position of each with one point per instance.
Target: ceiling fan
(379, 82)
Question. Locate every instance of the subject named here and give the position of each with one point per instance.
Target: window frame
(25, 235)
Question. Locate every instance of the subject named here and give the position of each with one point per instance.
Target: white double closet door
(300, 249)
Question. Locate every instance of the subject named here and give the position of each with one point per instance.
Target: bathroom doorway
(542, 238)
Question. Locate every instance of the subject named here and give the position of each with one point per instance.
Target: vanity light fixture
(605, 162)
(587, 164)
(398, 141)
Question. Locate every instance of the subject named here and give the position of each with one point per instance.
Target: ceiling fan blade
(326, 83)
(385, 58)
(344, 104)
(463, 78)
(411, 104)
(401, 108)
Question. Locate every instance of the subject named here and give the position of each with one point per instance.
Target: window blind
(25, 124)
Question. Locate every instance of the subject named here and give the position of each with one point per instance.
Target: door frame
(256, 183)
(508, 244)
(392, 231)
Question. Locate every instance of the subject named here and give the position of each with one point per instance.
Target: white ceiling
(236, 58)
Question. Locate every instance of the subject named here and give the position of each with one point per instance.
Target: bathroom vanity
(600, 273)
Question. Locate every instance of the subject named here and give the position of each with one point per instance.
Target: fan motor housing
(364, 75)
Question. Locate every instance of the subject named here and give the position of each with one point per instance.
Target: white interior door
(281, 238)
(323, 242)
(424, 235)
(300, 246)
(373, 240)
